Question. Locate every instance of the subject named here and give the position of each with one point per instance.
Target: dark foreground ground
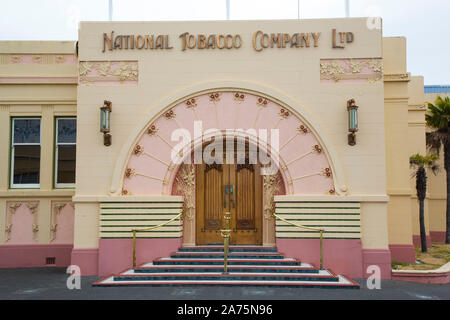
(50, 284)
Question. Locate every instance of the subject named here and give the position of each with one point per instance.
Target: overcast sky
(425, 23)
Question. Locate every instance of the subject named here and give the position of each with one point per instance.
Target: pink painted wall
(402, 253)
(115, 255)
(34, 255)
(340, 255)
(65, 225)
(437, 236)
(87, 260)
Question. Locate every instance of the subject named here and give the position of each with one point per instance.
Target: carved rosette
(303, 129)
(214, 97)
(152, 130)
(129, 172)
(191, 103)
(284, 114)
(169, 115)
(138, 149)
(317, 149)
(326, 172)
(238, 96)
(262, 102)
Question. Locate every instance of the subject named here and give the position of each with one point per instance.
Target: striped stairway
(247, 266)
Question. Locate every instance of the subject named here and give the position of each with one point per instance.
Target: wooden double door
(234, 188)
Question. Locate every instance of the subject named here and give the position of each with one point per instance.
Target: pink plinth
(115, 255)
(34, 255)
(380, 258)
(437, 236)
(87, 260)
(416, 241)
(340, 255)
(402, 253)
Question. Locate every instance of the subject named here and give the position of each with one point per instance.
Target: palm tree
(438, 118)
(419, 162)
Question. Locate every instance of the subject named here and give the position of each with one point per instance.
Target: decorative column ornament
(352, 110)
(105, 114)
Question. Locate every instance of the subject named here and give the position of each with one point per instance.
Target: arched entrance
(304, 167)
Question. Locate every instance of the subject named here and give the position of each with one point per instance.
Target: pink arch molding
(303, 161)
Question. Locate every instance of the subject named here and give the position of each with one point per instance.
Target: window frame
(13, 185)
(57, 185)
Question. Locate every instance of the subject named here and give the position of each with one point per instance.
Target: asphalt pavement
(51, 284)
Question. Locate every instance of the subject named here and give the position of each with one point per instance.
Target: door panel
(235, 188)
(246, 217)
(209, 203)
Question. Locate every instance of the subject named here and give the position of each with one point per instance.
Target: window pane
(67, 130)
(26, 164)
(27, 130)
(66, 164)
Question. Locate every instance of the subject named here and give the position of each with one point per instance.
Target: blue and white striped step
(231, 255)
(342, 283)
(322, 275)
(231, 261)
(235, 248)
(150, 268)
(247, 266)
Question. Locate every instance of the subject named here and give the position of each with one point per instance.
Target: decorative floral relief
(191, 103)
(284, 113)
(169, 114)
(273, 185)
(152, 130)
(238, 96)
(317, 148)
(92, 72)
(215, 97)
(263, 102)
(185, 186)
(32, 206)
(326, 172)
(370, 70)
(16, 59)
(129, 172)
(303, 129)
(137, 151)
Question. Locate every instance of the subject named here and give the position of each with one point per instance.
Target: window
(25, 152)
(65, 152)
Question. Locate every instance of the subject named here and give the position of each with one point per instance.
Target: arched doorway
(303, 159)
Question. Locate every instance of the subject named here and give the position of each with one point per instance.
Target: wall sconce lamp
(105, 114)
(352, 109)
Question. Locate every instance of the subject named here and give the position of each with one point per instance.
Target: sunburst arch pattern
(304, 165)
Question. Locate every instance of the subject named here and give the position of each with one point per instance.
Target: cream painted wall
(396, 81)
(34, 89)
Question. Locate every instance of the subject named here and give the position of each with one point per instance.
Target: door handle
(232, 195)
(225, 192)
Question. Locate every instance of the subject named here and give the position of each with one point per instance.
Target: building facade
(70, 194)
